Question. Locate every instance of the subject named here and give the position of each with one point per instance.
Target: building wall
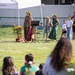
(62, 11)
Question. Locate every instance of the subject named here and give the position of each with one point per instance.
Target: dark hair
(62, 53)
(7, 66)
(29, 57)
(41, 65)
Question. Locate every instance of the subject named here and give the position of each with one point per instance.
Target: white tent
(18, 4)
(28, 3)
(8, 4)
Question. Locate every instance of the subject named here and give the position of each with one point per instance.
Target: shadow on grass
(4, 26)
(7, 41)
(0, 71)
(35, 41)
(44, 41)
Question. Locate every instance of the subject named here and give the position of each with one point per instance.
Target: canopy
(8, 4)
(28, 3)
(13, 4)
(18, 4)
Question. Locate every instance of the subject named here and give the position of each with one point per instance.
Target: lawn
(17, 50)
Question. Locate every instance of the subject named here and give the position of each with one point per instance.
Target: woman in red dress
(27, 27)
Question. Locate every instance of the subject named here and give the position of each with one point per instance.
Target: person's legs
(25, 35)
(68, 34)
(29, 35)
(46, 36)
(56, 31)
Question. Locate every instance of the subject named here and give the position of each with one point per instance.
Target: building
(62, 8)
(58, 2)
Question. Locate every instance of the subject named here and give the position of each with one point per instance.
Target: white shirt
(69, 23)
(64, 27)
(49, 70)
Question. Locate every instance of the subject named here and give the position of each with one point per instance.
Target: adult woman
(27, 26)
(56, 62)
(8, 66)
(28, 66)
(53, 32)
(73, 18)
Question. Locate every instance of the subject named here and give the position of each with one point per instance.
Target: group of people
(29, 30)
(54, 65)
(29, 68)
(68, 27)
(51, 27)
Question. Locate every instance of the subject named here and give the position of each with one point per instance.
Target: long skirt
(53, 33)
(28, 33)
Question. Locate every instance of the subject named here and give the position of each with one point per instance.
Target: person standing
(48, 27)
(64, 29)
(53, 33)
(69, 25)
(73, 17)
(27, 27)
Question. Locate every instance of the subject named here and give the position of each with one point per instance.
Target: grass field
(40, 49)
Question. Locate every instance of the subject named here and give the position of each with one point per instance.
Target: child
(48, 27)
(69, 25)
(39, 72)
(64, 29)
(8, 66)
(28, 68)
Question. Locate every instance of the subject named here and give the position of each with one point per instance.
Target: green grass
(40, 49)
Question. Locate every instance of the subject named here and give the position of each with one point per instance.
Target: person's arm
(24, 22)
(51, 24)
(57, 22)
(72, 23)
(31, 18)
